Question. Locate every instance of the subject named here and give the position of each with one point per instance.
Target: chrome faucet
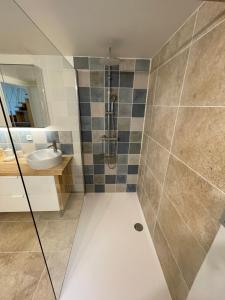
(54, 146)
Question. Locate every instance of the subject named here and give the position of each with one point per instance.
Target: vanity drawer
(40, 185)
(11, 185)
(13, 203)
(42, 193)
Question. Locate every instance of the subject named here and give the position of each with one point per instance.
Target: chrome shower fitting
(109, 139)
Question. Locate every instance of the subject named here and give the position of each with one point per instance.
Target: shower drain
(138, 227)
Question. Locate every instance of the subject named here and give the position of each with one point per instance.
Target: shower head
(109, 60)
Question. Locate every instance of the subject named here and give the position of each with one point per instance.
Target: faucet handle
(53, 145)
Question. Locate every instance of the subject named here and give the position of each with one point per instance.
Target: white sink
(44, 159)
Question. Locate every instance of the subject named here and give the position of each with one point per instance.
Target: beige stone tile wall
(181, 183)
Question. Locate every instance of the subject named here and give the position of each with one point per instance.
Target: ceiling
(18, 34)
(136, 28)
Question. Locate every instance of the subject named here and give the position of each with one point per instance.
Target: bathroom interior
(111, 150)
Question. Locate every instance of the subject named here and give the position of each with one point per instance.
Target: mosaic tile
(142, 65)
(126, 79)
(84, 94)
(81, 62)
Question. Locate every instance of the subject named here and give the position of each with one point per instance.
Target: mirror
(23, 95)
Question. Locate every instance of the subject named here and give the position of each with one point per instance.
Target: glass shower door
(23, 269)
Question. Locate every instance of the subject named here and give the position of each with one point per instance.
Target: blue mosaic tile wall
(129, 81)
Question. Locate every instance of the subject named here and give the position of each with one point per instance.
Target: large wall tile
(175, 281)
(157, 158)
(149, 213)
(152, 188)
(194, 197)
(191, 206)
(179, 40)
(170, 79)
(162, 124)
(20, 273)
(210, 13)
(155, 62)
(187, 251)
(199, 141)
(205, 84)
(151, 87)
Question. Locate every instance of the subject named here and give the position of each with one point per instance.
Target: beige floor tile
(71, 212)
(44, 289)
(16, 216)
(20, 274)
(17, 236)
(57, 264)
(58, 235)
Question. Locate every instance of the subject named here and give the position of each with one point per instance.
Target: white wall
(62, 99)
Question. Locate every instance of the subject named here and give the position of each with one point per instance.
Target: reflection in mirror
(23, 94)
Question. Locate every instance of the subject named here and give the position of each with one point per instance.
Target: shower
(110, 139)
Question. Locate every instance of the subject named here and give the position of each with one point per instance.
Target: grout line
(198, 36)
(163, 147)
(146, 108)
(172, 138)
(197, 173)
(153, 175)
(186, 20)
(36, 289)
(173, 256)
(184, 221)
(189, 167)
(179, 52)
(190, 43)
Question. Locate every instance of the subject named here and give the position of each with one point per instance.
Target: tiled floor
(22, 269)
(110, 260)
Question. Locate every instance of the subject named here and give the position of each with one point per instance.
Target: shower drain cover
(138, 227)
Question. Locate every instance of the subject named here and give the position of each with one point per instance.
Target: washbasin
(44, 159)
